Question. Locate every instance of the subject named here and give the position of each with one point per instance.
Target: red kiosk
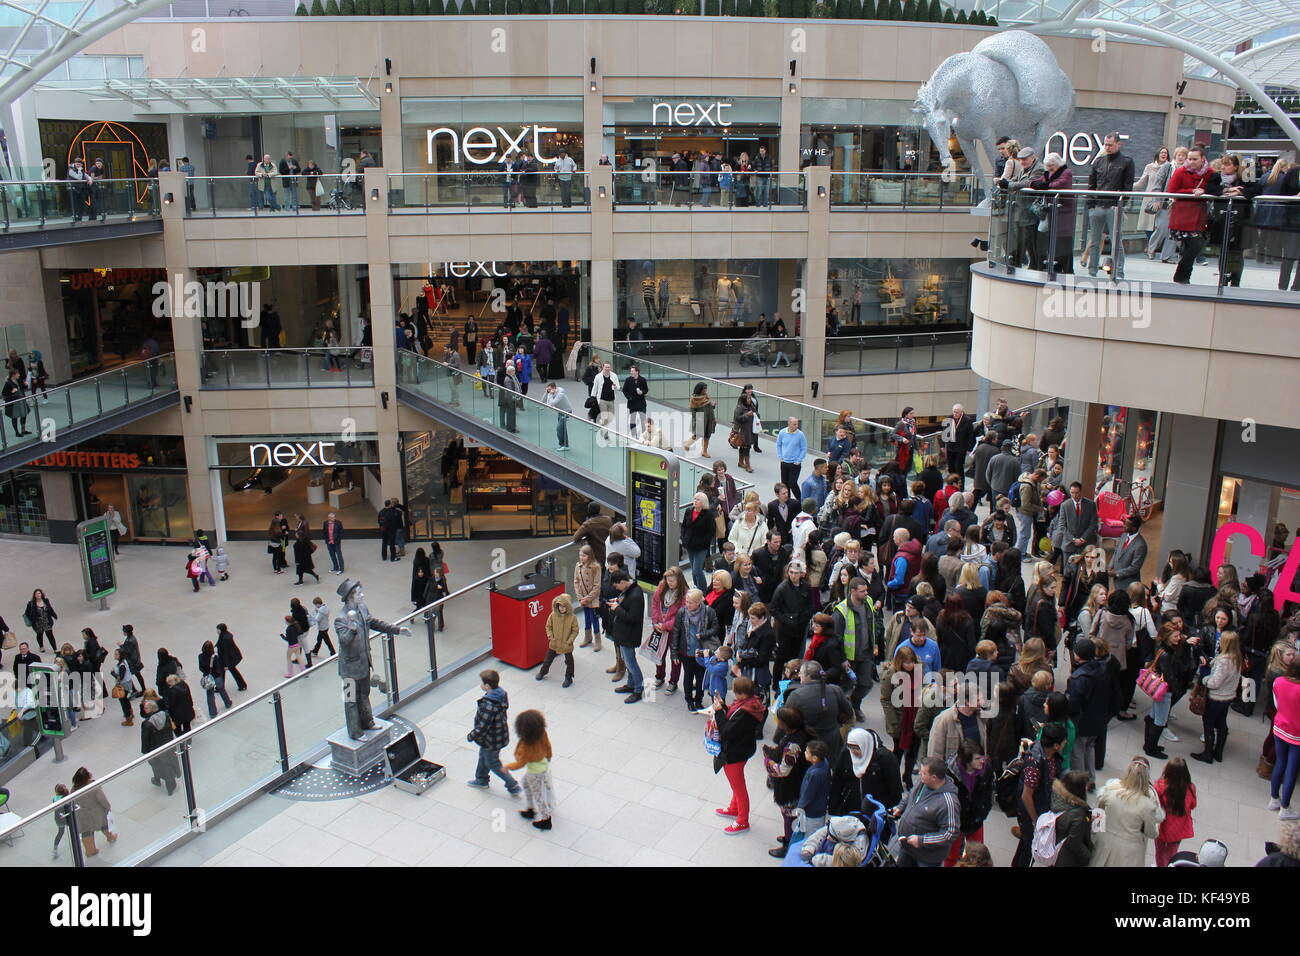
(519, 620)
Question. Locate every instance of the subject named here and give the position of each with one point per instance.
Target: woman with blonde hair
(971, 590)
(1221, 687)
(1160, 243)
(749, 532)
(1133, 817)
(1277, 225)
(1033, 658)
(1096, 603)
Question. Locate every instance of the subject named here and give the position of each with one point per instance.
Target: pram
(880, 830)
(754, 351)
(337, 198)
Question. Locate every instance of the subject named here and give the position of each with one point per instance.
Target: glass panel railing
(1215, 243)
(251, 745)
(710, 190)
(756, 356)
(84, 400)
(597, 447)
(51, 203)
(921, 191)
(284, 368)
(917, 351)
(674, 386)
(332, 193)
(487, 190)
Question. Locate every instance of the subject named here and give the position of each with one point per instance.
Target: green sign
(652, 479)
(98, 574)
(51, 699)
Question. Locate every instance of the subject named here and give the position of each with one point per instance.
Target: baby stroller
(753, 351)
(880, 830)
(337, 198)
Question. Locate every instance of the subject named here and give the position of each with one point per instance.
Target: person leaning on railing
(1187, 217)
(1060, 237)
(1277, 224)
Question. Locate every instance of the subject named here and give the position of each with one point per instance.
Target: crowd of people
(1251, 211)
(1004, 644)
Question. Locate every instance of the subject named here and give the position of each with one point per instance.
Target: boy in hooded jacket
(491, 731)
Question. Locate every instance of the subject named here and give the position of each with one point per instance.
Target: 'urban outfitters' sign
(690, 114)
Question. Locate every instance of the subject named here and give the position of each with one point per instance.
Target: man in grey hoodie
(929, 819)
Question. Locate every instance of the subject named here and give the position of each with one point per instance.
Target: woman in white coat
(1154, 178)
(1133, 818)
(749, 531)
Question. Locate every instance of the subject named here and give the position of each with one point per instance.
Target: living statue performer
(1009, 84)
(353, 626)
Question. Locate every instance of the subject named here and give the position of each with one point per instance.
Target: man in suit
(1076, 522)
(1130, 554)
(781, 511)
(388, 522)
(333, 532)
(958, 440)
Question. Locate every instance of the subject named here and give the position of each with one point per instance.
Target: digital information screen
(98, 571)
(649, 500)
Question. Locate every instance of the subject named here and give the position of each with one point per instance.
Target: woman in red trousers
(739, 729)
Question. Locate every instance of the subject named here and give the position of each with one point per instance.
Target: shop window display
(865, 296)
(723, 294)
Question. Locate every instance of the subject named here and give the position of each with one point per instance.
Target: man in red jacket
(1188, 215)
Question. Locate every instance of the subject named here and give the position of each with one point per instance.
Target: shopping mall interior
(261, 288)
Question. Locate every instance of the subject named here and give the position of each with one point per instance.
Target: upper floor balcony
(1173, 301)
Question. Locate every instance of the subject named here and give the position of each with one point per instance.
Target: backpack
(1045, 847)
(1007, 788)
(1015, 494)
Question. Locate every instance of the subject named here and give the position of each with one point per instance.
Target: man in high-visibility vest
(857, 624)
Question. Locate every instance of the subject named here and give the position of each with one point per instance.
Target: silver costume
(353, 625)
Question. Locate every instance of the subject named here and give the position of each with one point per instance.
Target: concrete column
(178, 139)
(60, 506)
(24, 138)
(33, 300)
(813, 321)
(383, 317)
(390, 131)
(187, 336)
(791, 110)
(1080, 427)
(602, 269)
(1190, 491)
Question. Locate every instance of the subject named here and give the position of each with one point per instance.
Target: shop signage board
(98, 573)
(652, 489)
(481, 146)
(690, 114)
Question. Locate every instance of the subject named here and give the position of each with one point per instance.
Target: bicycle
(1140, 500)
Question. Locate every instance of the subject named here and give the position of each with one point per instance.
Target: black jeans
(1215, 720)
(323, 637)
(1188, 250)
(550, 659)
(388, 547)
(693, 682)
(233, 671)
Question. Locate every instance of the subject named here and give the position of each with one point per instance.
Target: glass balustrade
(487, 190)
(882, 354)
(340, 367)
(249, 747)
(83, 401)
(1209, 243)
(328, 193)
(665, 189)
(902, 191)
(64, 203)
(750, 357)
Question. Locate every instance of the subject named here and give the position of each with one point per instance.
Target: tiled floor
(635, 788)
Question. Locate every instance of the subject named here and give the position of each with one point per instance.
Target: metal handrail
(1014, 411)
(269, 694)
(67, 386)
(768, 395)
(1150, 195)
(631, 439)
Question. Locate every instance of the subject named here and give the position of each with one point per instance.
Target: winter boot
(586, 638)
(1151, 740)
(596, 635)
(1220, 740)
(1206, 755)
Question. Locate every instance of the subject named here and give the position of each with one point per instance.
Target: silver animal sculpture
(1009, 84)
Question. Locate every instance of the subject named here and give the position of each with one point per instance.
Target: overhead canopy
(225, 94)
(1216, 27)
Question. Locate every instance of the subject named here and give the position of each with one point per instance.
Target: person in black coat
(769, 564)
(699, 529)
(635, 388)
(302, 559)
(626, 617)
(230, 655)
(791, 610)
(167, 666)
(156, 731)
(754, 653)
(1089, 691)
(958, 438)
(739, 727)
(180, 703)
(865, 767)
(976, 798)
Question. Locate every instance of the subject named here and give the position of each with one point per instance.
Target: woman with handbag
(122, 686)
(311, 174)
(213, 680)
(1057, 175)
(1221, 686)
(40, 616)
(303, 547)
(704, 418)
(1164, 680)
(742, 426)
(1153, 179)
(277, 536)
(1160, 243)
